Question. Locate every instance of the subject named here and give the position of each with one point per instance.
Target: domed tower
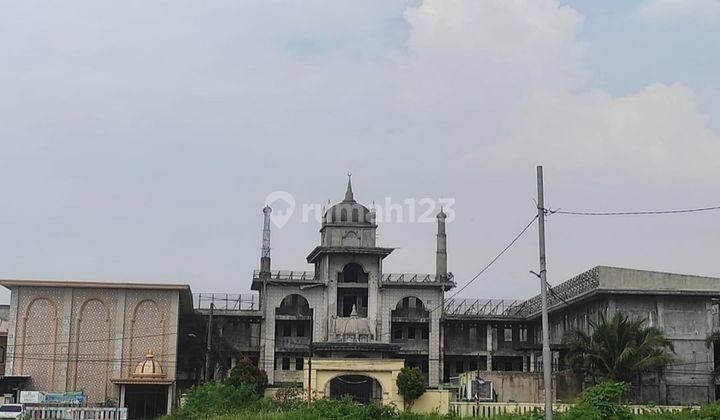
(350, 264)
(348, 224)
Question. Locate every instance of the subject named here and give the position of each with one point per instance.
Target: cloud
(510, 75)
(667, 10)
(151, 132)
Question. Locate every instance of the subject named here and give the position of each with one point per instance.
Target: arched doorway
(361, 388)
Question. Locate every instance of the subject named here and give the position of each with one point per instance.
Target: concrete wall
(432, 401)
(527, 387)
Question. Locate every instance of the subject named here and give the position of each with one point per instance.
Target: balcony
(292, 343)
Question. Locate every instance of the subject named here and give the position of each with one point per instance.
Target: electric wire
(633, 213)
(493, 261)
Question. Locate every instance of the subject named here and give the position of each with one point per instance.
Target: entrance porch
(364, 380)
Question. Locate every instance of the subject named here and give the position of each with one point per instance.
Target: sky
(139, 140)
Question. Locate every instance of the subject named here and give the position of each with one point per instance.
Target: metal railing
(483, 307)
(413, 278)
(285, 275)
(564, 291)
(227, 301)
(73, 413)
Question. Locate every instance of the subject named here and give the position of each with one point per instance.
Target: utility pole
(547, 362)
(209, 343)
(309, 368)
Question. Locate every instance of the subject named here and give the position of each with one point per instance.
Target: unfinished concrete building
(348, 307)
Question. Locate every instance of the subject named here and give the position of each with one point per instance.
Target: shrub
(216, 398)
(411, 384)
(289, 395)
(603, 400)
(344, 408)
(246, 372)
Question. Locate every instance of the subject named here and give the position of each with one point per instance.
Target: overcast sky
(139, 139)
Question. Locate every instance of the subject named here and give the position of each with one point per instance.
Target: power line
(633, 213)
(555, 294)
(497, 257)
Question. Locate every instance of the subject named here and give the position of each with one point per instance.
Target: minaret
(265, 255)
(441, 254)
(349, 192)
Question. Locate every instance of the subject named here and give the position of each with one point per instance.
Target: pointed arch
(91, 323)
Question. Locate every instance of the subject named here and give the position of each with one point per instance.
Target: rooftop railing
(483, 307)
(227, 301)
(286, 275)
(413, 278)
(564, 291)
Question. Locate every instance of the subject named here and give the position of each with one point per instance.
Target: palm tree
(619, 348)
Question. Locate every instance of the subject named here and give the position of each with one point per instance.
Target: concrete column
(532, 361)
(610, 307)
(386, 319)
(171, 345)
(268, 344)
(373, 303)
(12, 332)
(122, 395)
(489, 346)
(434, 349)
(169, 399)
(64, 339)
(118, 334)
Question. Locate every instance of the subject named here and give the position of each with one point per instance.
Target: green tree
(411, 384)
(619, 348)
(245, 372)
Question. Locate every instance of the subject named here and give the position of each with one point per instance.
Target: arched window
(294, 305)
(410, 307)
(353, 273)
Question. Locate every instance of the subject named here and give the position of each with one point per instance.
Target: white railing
(470, 409)
(487, 410)
(76, 413)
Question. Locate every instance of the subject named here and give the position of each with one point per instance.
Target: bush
(411, 384)
(290, 395)
(345, 408)
(245, 372)
(216, 398)
(602, 401)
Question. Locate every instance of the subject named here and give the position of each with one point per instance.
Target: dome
(148, 368)
(349, 211)
(356, 328)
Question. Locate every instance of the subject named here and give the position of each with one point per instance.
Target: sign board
(31, 397)
(64, 398)
(481, 390)
(52, 398)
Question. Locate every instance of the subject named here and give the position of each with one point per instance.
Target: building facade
(345, 327)
(349, 307)
(115, 342)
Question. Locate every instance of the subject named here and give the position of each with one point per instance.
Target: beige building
(114, 341)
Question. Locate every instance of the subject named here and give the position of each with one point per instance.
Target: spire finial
(442, 214)
(349, 191)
